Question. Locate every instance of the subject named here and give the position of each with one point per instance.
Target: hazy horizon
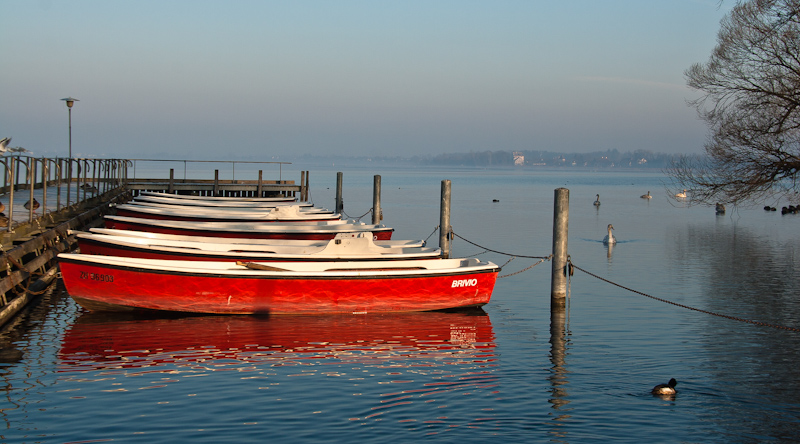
(236, 80)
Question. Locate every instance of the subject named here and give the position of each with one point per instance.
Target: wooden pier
(74, 195)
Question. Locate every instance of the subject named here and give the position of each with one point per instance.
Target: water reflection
(101, 341)
(558, 375)
(748, 274)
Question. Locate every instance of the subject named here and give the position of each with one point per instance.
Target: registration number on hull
(96, 277)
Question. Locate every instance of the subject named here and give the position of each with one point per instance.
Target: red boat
(252, 230)
(220, 199)
(280, 214)
(106, 283)
(114, 341)
(345, 246)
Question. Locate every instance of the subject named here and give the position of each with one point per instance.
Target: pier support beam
(444, 220)
(339, 202)
(376, 200)
(558, 279)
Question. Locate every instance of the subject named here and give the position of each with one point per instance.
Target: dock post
(305, 187)
(376, 200)
(444, 220)
(260, 184)
(558, 279)
(171, 188)
(339, 203)
(216, 182)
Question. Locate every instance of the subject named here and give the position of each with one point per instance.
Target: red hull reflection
(101, 341)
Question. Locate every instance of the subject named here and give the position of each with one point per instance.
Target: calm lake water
(507, 373)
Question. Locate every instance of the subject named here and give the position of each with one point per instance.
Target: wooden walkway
(28, 262)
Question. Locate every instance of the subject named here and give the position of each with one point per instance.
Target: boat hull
(209, 230)
(164, 250)
(114, 287)
(282, 214)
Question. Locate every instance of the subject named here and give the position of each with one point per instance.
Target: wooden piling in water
(339, 202)
(376, 200)
(444, 220)
(558, 279)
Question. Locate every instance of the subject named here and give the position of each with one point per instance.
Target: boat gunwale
(482, 267)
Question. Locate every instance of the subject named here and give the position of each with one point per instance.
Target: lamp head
(70, 101)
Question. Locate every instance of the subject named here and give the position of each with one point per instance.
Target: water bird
(495, 200)
(720, 208)
(35, 204)
(665, 389)
(89, 187)
(597, 201)
(610, 239)
(646, 196)
(784, 210)
(767, 208)
(4, 148)
(681, 195)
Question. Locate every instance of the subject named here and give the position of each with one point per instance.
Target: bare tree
(751, 103)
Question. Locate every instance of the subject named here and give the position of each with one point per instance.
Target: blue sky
(243, 79)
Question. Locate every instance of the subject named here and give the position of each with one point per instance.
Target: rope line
(524, 269)
(357, 218)
(733, 318)
(499, 252)
(435, 229)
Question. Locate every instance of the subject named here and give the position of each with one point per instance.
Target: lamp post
(70, 101)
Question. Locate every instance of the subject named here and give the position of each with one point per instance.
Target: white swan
(610, 239)
(681, 195)
(597, 201)
(646, 196)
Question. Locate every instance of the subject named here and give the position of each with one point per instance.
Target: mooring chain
(435, 229)
(513, 256)
(733, 318)
(358, 218)
(524, 269)
(500, 252)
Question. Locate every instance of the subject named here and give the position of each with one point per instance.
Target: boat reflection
(103, 341)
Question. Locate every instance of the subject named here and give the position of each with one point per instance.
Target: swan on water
(646, 196)
(665, 389)
(597, 201)
(681, 195)
(610, 239)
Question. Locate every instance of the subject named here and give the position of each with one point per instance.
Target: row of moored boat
(261, 255)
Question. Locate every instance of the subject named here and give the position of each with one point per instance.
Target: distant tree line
(532, 158)
(638, 159)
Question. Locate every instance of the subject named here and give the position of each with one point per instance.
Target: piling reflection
(558, 375)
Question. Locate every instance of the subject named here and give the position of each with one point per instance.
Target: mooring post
(558, 279)
(216, 182)
(260, 188)
(305, 186)
(171, 188)
(339, 203)
(376, 200)
(444, 220)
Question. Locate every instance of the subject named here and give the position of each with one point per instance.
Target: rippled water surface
(508, 373)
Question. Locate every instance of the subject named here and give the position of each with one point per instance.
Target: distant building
(519, 159)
